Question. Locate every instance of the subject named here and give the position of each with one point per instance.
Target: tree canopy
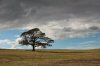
(35, 38)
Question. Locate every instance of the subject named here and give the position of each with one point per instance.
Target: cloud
(73, 28)
(6, 41)
(94, 28)
(13, 44)
(61, 19)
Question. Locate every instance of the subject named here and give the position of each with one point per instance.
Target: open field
(50, 57)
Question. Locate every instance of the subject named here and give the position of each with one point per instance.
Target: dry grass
(50, 58)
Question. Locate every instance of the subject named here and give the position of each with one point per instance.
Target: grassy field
(50, 57)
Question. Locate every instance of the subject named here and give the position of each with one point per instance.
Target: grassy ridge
(50, 58)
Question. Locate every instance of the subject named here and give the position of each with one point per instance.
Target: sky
(73, 24)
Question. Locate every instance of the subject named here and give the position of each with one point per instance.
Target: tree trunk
(33, 47)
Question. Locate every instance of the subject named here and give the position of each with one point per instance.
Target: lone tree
(35, 38)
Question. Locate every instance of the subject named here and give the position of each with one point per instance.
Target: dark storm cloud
(46, 10)
(73, 17)
(94, 28)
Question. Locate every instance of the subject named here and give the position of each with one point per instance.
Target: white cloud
(64, 28)
(14, 44)
(67, 29)
(39, 47)
(18, 39)
(6, 41)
